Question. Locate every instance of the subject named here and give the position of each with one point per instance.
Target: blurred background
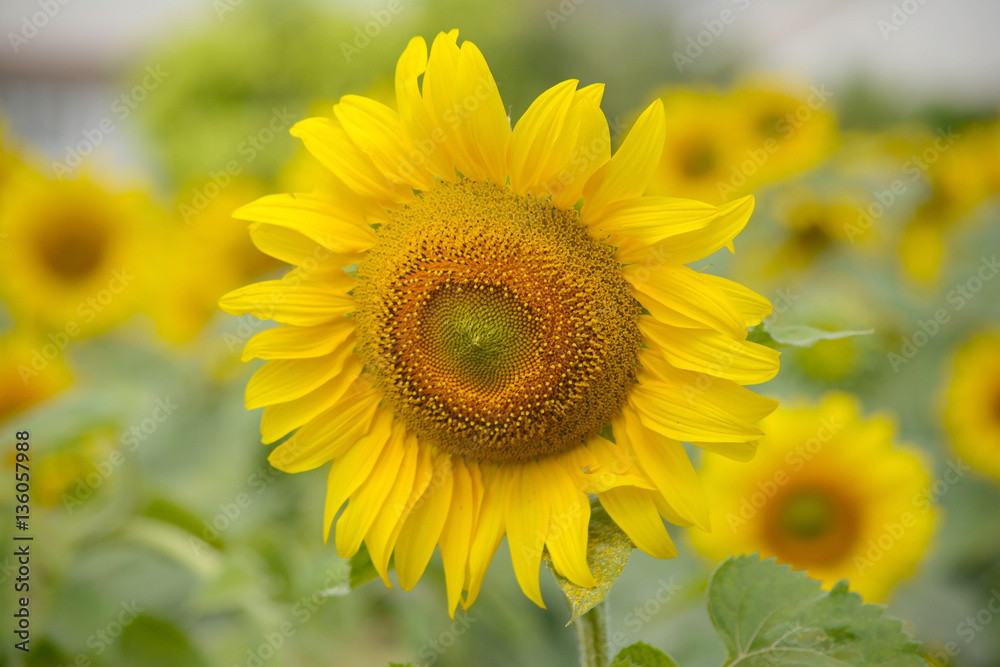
(129, 131)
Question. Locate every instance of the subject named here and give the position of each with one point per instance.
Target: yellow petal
(490, 528)
(710, 352)
(419, 534)
(367, 500)
(385, 529)
(481, 116)
(678, 296)
(568, 522)
(328, 435)
(737, 451)
(287, 379)
(330, 145)
(296, 248)
(289, 342)
(337, 228)
(378, 131)
(291, 301)
(527, 525)
(635, 512)
(532, 137)
(628, 172)
(667, 464)
(666, 409)
(283, 418)
(349, 471)
(583, 147)
(692, 246)
(649, 220)
(603, 465)
(752, 306)
(456, 536)
(700, 388)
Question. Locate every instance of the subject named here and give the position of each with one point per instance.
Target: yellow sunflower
(720, 145)
(204, 255)
(516, 301)
(31, 370)
(829, 492)
(71, 255)
(972, 409)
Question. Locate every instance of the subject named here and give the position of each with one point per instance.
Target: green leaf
(153, 642)
(768, 615)
(797, 335)
(608, 550)
(362, 568)
(641, 654)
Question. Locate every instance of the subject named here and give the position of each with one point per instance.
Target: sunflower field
(540, 333)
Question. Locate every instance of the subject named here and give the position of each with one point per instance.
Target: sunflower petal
(490, 528)
(288, 342)
(285, 380)
(667, 464)
(678, 296)
(528, 514)
(456, 536)
(326, 221)
(630, 169)
(567, 533)
(419, 534)
(635, 512)
(283, 418)
(367, 500)
(530, 141)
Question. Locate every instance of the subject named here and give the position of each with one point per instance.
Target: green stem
(592, 635)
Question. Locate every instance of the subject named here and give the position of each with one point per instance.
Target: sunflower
(972, 409)
(70, 253)
(829, 492)
(206, 254)
(720, 145)
(31, 371)
(516, 303)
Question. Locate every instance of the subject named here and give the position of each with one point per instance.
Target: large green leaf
(608, 550)
(641, 654)
(768, 615)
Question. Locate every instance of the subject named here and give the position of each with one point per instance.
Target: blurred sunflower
(828, 492)
(207, 254)
(461, 378)
(71, 253)
(719, 145)
(963, 170)
(972, 408)
(31, 370)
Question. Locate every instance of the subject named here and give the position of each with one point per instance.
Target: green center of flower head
(808, 514)
(497, 327)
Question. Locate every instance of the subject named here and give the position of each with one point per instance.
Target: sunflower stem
(592, 636)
